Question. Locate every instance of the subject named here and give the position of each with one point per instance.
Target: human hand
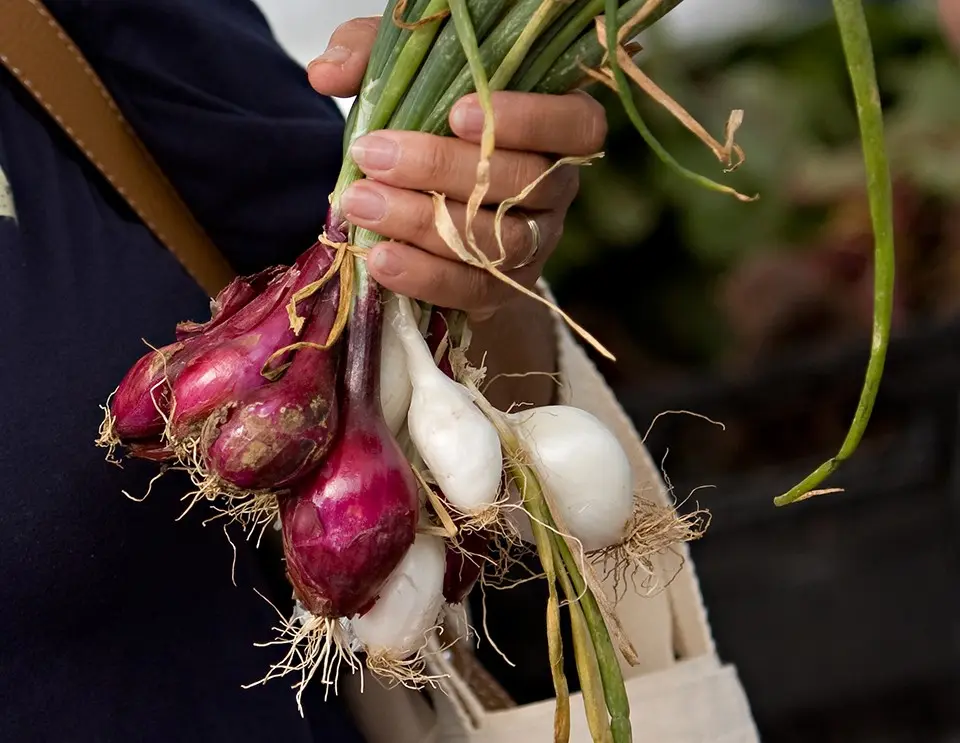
(950, 20)
(401, 167)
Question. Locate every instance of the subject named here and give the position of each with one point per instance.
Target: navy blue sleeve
(227, 114)
(118, 622)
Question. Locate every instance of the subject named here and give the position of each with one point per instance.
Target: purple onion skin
(225, 371)
(135, 410)
(347, 526)
(463, 570)
(139, 414)
(231, 299)
(141, 392)
(230, 365)
(279, 433)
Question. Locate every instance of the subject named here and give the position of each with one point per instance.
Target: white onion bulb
(583, 467)
(395, 386)
(409, 604)
(457, 442)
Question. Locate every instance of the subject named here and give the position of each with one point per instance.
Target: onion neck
(364, 332)
(419, 360)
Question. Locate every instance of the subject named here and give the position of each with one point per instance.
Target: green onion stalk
(446, 49)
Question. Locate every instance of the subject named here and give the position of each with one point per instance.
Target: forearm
(519, 340)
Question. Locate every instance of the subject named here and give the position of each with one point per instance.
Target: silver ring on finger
(535, 243)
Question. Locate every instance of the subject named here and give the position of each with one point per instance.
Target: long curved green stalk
(625, 93)
(858, 51)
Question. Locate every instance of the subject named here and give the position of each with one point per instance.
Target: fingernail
(375, 153)
(386, 263)
(467, 118)
(362, 202)
(334, 55)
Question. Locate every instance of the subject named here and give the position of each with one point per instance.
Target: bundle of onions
(355, 419)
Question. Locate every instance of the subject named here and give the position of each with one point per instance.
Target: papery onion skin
(231, 299)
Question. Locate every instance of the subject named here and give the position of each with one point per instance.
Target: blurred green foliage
(650, 247)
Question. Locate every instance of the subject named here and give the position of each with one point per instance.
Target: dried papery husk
(730, 154)
(616, 77)
(231, 299)
(474, 256)
(107, 436)
(400, 8)
(654, 530)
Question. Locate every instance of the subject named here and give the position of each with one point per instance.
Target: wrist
(518, 347)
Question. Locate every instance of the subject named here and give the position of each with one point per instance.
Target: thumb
(950, 21)
(339, 70)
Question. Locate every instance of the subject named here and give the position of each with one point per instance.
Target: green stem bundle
(857, 49)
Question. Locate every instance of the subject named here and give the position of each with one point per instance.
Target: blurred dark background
(842, 614)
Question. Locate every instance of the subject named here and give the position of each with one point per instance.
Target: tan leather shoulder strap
(36, 50)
